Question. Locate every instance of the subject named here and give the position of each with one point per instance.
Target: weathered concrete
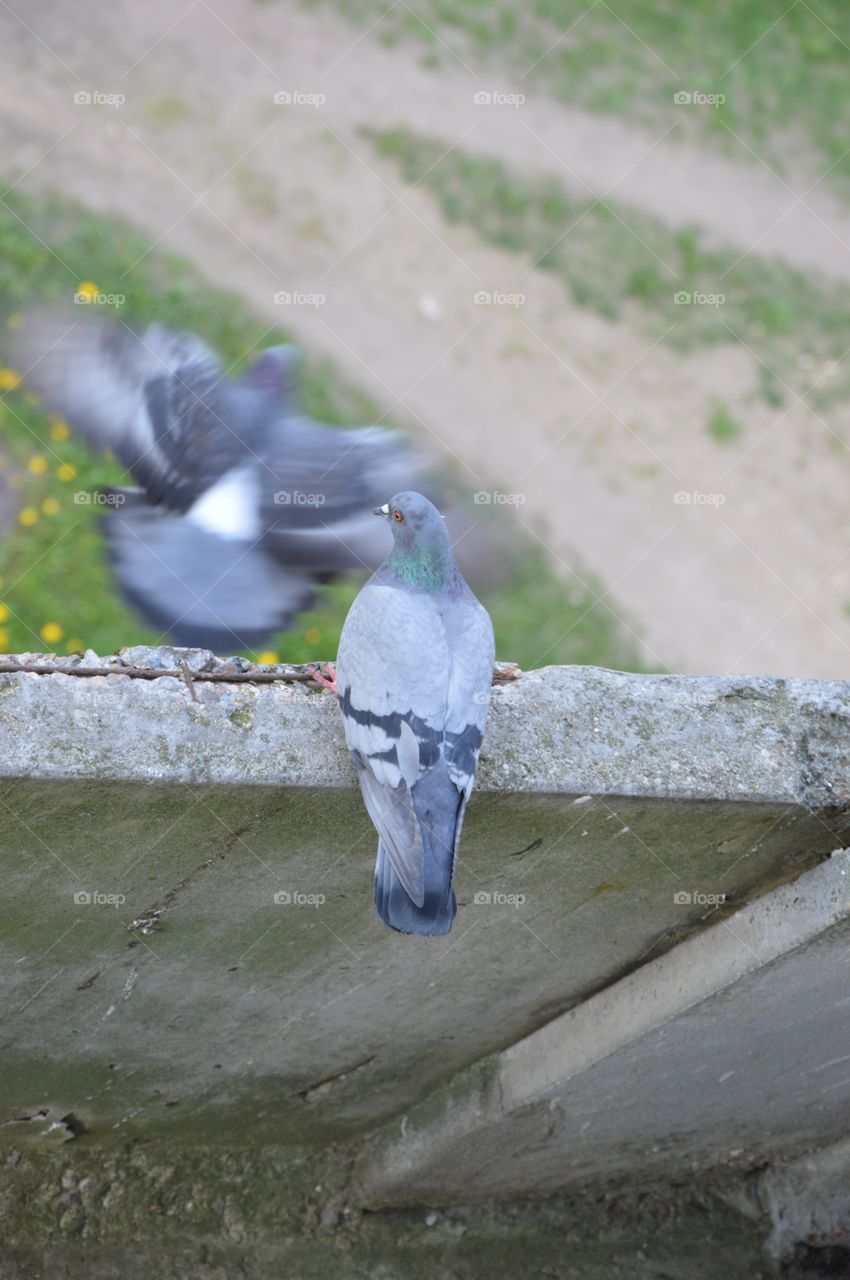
(732, 1048)
(207, 1214)
(181, 1048)
(564, 730)
(225, 1011)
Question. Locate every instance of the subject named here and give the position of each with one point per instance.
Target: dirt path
(596, 433)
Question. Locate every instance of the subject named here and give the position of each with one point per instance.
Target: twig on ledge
(292, 675)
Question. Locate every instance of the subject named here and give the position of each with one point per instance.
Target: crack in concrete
(148, 920)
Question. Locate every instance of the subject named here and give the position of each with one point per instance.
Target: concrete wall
(191, 962)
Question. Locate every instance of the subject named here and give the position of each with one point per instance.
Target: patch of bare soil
(724, 558)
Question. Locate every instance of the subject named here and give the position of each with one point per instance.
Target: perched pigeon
(244, 504)
(413, 676)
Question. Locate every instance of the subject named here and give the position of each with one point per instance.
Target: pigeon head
(422, 554)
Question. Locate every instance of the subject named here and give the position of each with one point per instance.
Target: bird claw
(329, 670)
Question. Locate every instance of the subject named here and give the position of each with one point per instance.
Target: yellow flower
(32, 398)
(65, 471)
(4, 612)
(28, 516)
(267, 656)
(59, 430)
(312, 635)
(15, 321)
(51, 632)
(74, 645)
(88, 290)
(9, 379)
(4, 640)
(51, 507)
(38, 464)
(109, 455)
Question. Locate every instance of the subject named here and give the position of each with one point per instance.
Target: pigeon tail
(437, 804)
(431, 920)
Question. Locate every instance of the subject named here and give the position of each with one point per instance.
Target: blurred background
(595, 257)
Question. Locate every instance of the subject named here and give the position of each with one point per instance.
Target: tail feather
(395, 908)
(439, 807)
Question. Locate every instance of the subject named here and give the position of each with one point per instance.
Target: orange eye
(398, 517)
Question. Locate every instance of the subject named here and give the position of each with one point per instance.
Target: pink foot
(328, 669)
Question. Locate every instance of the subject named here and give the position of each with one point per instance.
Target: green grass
(613, 259)
(783, 70)
(53, 571)
(722, 426)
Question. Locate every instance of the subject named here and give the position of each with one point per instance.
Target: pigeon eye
(398, 517)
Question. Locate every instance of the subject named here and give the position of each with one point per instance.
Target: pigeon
(242, 504)
(413, 677)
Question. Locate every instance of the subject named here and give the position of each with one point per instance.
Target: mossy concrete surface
(189, 954)
(189, 943)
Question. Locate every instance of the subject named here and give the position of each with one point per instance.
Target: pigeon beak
(382, 511)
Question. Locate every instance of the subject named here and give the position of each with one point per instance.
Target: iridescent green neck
(429, 568)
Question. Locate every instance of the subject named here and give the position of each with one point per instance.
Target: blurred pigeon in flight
(413, 676)
(243, 504)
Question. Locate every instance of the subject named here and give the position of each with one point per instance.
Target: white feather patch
(229, 507)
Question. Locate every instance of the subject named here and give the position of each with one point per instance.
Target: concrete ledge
(564, 730)
(188, 945)
(731, 1048)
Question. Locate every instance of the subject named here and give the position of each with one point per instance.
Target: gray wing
(470, 635)
(197, 589)
(158, 399)
(414, 683)
(326, 483)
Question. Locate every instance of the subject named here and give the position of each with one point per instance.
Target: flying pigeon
(413, 677)
(243, 505)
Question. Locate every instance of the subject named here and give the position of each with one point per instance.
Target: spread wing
(158, 400)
